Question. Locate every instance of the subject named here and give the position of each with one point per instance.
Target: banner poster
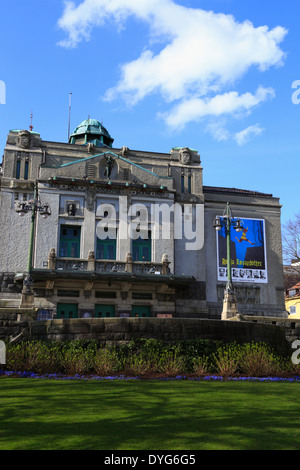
(248, 252)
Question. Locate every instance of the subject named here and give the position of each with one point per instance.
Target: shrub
(139, 365)
(226, 359)
(37, 357)
(106, 361)
(75, 362)
(257, 359)
(201, 365)
(171, 364)
(42, 359)
(16, 357)
(143, 356)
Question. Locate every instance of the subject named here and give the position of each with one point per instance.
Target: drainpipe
(32, 230)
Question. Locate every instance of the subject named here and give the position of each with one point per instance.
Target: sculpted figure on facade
(90, 147)
(24, 139)
(185, 156)
(124, 151)
(108, 166)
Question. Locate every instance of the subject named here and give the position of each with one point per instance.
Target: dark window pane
(18, 169)
(26, 171)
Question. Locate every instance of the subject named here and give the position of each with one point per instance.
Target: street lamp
(227, 221)
(23, 207)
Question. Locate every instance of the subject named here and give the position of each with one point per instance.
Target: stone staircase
(15, 324)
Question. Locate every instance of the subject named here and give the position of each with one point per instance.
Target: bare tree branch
(291, 241)
(291, 252)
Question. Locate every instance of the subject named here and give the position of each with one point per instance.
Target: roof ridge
(235, 190)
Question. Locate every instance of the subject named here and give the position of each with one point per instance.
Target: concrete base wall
(120, 330)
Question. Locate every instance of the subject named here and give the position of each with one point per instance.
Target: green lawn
(148, 415)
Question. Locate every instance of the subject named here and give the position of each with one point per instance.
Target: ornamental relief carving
(185, 156)
(24, 139)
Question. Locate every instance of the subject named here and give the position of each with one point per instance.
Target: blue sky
(213, 75)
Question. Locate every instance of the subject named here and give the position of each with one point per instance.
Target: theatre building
(90, 230)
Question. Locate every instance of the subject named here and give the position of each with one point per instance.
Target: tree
(291, 251)
(291, 241)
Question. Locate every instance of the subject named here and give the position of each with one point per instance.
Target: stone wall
(12, 326)
(278, 334)
(120, 330)
(290, 327)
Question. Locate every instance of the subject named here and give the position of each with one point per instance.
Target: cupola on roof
(91, 131)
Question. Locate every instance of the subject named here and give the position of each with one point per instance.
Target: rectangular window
(292, 309)
(189, 184)
(69, 243)
(106, 249)
(182, 183)
(141, 296)
(18, 169)
(105, 295)
(67, 293)
(141, 249)
(26, 169)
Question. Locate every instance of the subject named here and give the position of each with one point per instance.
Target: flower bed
(149, 359)
(219, 378)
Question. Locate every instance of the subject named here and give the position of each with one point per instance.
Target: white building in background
(162, 256)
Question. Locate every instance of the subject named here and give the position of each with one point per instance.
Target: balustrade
(107, 266)
(71, 264)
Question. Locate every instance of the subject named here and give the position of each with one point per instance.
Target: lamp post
(227, 221)
(23, 207)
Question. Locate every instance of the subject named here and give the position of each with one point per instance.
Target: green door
(141, 311)
(104, 311)
(67, 311)
(141, 249)
(106, 249)
(69, 242)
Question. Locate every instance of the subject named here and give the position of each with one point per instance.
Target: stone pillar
(229, 304)
(128, 266)
(27, 299)
(165, 264)
(91, 261)
(52, 259)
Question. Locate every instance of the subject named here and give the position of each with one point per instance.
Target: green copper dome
(91, 131)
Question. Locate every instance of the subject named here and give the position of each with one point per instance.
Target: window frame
(69, 241)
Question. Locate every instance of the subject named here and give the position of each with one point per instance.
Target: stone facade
(179, 276)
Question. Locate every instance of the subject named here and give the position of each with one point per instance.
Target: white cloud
(218, 131)
(228, 103)
(245, 135)
(78, 21)
(202, 55)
